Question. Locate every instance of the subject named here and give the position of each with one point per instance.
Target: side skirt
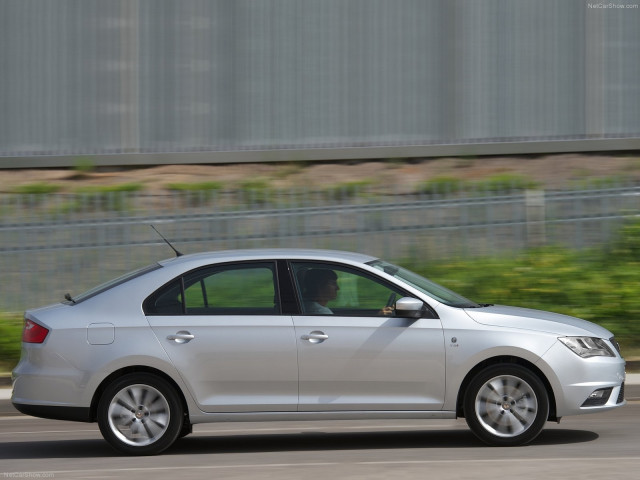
(201, 417)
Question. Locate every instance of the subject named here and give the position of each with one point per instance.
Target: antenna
(178, 254)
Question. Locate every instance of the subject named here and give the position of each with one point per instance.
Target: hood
(538, 320)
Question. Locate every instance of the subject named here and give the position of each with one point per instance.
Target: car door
(222, 328)
(355, 354)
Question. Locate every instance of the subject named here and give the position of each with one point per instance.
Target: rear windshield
(114, 283)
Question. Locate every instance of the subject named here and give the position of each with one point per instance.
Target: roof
(270, 253)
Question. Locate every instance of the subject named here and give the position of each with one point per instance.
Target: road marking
(40, 432)
(500, 461)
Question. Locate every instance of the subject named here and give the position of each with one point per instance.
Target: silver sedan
(261, 335)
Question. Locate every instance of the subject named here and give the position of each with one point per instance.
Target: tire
(140, 414)
(506, 405)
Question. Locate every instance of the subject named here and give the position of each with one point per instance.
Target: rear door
(223, 329)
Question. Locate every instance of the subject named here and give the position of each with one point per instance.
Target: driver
(320, 286)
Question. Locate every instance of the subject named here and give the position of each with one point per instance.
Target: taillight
(33, 333)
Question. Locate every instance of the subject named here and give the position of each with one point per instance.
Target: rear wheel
(140, 414)
(506, 405)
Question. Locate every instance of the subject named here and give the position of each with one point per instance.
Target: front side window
(233, 289)
(329, 289)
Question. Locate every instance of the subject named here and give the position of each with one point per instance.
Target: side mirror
(408, 307)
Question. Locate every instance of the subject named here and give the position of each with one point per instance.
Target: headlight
(587, 347)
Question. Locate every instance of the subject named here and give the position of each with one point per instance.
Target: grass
(599, 182)
(289, 168)
(107, 189)
(194, 187)
(38, 188)
(349, 189)
(507, 182)
(197, 193)
(108, 197)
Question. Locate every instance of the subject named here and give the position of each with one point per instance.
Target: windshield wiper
(67, 296)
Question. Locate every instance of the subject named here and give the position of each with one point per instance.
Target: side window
(328, 289)
(238, 289)
(166, 301)
(235, 289)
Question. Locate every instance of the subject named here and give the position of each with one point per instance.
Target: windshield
(112, 283)
(438, 292)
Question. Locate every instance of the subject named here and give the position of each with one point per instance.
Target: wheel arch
(508, 360)
(137, 369)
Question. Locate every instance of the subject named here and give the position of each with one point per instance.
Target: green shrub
(599, 285)
(83, 166)
(256, 190)
(10, 340)
(441, 186)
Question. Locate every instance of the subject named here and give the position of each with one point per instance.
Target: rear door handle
(315, 337)
(181, 337)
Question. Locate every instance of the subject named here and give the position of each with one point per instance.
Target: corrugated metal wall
(137, 76)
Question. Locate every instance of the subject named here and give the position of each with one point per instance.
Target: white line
(40, 432)
(501, 461)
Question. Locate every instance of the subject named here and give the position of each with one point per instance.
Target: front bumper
(584, 385)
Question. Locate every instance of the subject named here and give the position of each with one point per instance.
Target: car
(293, 334)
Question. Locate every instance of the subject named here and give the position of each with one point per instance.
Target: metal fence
(56, 243)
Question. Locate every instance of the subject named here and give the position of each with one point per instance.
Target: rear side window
(166, 301)
(232, 289)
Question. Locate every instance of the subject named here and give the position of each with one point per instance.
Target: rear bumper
(55, 412)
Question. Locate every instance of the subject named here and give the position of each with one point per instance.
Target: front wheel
(140, 414)
(506, 405)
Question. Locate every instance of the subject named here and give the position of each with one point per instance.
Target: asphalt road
(604, 445)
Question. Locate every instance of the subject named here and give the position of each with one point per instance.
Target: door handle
(181, 337)
(315, 337)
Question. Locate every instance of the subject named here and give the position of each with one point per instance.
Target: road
(604, 445)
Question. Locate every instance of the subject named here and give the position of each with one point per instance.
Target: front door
(354, 354)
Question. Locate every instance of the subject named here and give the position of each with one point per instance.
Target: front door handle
(315, 337)
(181, 337)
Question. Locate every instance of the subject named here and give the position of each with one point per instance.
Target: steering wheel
(391, 300)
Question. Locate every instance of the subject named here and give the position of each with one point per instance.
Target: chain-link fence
(56, 243)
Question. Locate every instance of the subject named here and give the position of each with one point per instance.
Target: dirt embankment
(549, 171)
